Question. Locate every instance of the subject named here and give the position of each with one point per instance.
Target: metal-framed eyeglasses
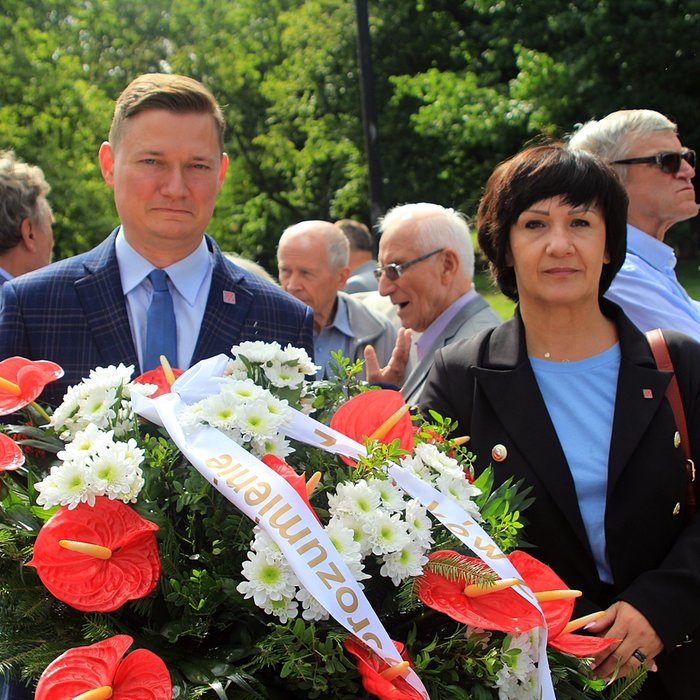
(668, 161)
(393, 270)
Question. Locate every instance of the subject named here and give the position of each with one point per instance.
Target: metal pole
(369, 115)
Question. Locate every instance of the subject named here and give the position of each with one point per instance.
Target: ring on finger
(639, 655)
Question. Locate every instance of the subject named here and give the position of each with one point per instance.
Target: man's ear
(26, 229)
(450, 262)
(223, 167)
(342, 277)
(106, 158)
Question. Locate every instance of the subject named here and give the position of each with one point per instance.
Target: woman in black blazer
(566, 396)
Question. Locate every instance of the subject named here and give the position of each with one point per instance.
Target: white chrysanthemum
(276, 445)
(236, 369)
(219, 411)
(110, 376)
(141, 389)
(418, 522)
(267, 579)
(264, 544)
(257, 351)
(517, 679)
(343, 539)
(390, 493)
(98, 406)
(355, 525)
(461, 491)
(359, 499)
(408, 561)
(438, 461)
(85, 444)
(243, 390)
(67, 485)
(415, 466)
(302, 359)
(284, 376)
(277, 407)
(284, 609)
(312, 610)
(115, 470)
(386, 532)
(255, 421)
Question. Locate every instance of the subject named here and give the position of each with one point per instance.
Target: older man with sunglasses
(426, 268)
(644, 148)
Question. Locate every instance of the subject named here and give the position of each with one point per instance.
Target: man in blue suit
(165, 162)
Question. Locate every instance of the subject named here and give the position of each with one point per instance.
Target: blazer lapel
(102, 299)
(419, 373)
(527, 423)
(228, 306)
(641, 389)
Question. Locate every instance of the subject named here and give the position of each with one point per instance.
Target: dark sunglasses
(668, 161)
(393, 271)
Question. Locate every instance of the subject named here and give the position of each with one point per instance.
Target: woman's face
(557, 252)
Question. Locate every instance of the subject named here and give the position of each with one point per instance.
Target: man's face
(658, 199)
(304, 273)
(420, 293)
(166, 171)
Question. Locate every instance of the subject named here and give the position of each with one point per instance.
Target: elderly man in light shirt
(312, 259)
(656, 170)
(426, 268)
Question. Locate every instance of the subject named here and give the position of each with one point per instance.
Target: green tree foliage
(459, 86)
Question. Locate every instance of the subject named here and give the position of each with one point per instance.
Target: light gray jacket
(475, 316)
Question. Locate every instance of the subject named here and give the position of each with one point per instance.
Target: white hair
(438, 227)
(613, 137)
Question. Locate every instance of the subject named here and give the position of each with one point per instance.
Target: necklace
(548, 356)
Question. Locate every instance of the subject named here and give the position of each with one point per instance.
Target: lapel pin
(499, 453)
(647, 393)
(229, 297)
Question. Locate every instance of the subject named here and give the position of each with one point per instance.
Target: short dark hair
(357, 233)
(175, 93)
(542, 172)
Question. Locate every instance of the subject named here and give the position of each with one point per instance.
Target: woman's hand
(627, 624)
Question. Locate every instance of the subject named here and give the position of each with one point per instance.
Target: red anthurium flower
(140, 676)
(370, 667)
(130, 567)
(25, 379)
(11, 456)
(365, 414)
(539, 577)
(503, 610)
(296, 481)
(158, 377)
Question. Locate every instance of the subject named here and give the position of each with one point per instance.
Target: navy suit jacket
(73, 312)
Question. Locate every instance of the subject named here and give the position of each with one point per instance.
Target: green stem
(41, 411)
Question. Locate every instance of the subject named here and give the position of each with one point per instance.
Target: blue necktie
(161, 331)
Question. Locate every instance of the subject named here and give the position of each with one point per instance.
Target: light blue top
(648, 290)
(337, 335)
(5, 276)
(189, 283)
(580, 399)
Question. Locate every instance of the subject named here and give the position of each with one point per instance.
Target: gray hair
(438, 227)
(613, 137)
(20, 187)
(337, 246)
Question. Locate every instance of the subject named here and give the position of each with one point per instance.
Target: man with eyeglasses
(644, 148)
(313, 263)
(426, 268)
